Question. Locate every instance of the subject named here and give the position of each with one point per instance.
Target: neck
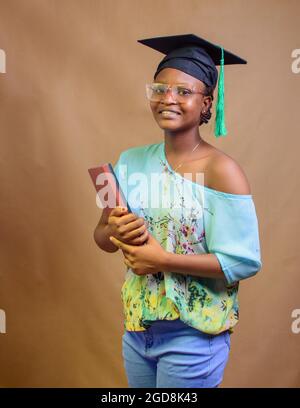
(181, 143)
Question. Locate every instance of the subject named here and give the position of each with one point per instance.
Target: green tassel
(220, 127)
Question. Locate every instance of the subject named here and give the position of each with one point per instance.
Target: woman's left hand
(142, 259)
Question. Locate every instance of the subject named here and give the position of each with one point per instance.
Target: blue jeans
(172, 354)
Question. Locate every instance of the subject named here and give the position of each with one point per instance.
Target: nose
(168, 97)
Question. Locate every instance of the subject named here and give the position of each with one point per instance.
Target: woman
(180, 292)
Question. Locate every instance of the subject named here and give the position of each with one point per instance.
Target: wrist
(165, 261)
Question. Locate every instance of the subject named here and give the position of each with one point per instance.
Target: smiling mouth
(168, 112)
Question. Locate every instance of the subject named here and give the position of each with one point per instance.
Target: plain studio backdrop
(73, 96)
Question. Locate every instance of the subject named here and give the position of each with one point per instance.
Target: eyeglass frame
(192, 92)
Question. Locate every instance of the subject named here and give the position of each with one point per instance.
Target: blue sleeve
(231, 230)
(118, 164)
(120, 168)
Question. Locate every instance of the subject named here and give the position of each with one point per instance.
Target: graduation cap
(198, 58)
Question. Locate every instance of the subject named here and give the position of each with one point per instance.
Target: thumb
(119, 211)
(118, 243)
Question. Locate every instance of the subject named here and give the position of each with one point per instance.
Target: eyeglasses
(156, 91)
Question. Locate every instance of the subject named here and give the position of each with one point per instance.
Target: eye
(183, 91)
(158, 89)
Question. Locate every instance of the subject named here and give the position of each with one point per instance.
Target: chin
(166, 127)
(167, 123)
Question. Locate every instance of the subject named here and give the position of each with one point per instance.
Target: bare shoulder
(225, 174)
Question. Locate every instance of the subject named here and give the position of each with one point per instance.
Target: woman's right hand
(127, 227)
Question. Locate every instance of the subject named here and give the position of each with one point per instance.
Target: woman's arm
(200, 265)
(103, 231)
(152, 258)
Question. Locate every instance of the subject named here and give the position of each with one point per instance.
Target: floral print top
(186, 218)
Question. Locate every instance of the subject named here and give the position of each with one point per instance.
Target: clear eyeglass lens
(156, 91)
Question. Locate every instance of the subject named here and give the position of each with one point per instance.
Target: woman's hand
(127, 227)
(143, 259)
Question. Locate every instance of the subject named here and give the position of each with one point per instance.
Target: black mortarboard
(198, 58)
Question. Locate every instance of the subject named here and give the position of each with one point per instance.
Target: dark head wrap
(192, 60)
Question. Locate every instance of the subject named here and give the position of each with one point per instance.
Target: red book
(107, 186)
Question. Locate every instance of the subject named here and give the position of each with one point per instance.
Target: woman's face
(188, 113)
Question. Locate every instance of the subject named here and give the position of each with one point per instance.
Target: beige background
(73, 97)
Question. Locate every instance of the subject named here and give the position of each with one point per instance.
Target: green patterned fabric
(186, 218)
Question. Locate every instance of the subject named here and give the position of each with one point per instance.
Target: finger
(124, 221)
(141, 239)
(127, 225)
(136, 232)
(118, 211)
(127, 249)
(118, 243)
